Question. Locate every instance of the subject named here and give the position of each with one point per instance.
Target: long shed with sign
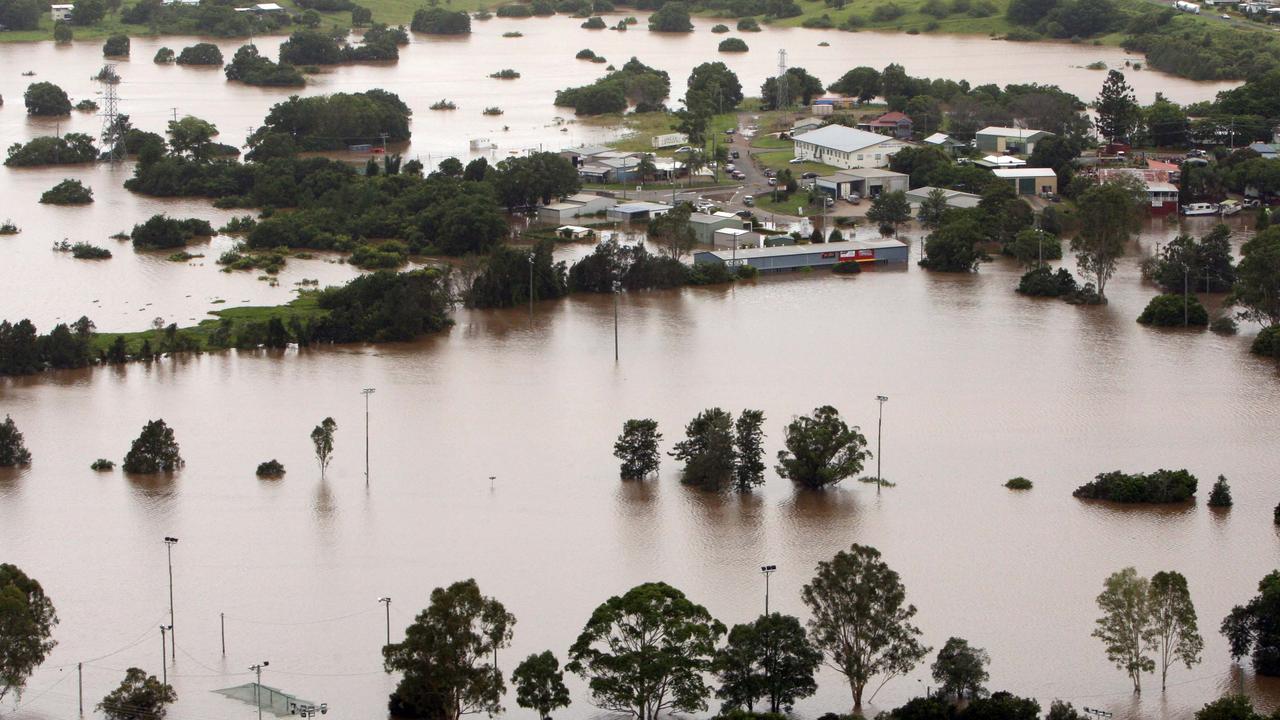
(796, 257)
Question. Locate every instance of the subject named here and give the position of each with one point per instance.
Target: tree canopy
(46, 99)
(447, 654)
(154, 451)
(860, 619)
(139, 697)
(644, 653)
(821, 449)
(27, 619)
(768, 660)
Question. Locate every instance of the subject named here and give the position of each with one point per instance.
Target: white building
(845, 147)
(579, 206)
(61, 12)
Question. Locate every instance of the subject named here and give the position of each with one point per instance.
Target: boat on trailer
(1192, 209)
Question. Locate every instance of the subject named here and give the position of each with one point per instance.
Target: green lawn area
(771, 142)
(911, 18)
(787, 206)
(780, 159)
(304, 308)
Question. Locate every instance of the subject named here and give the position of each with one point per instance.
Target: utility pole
(80, 685)
(531, 253)
(387, 601)
(879, 428)
(767, 570)
(175, 114)
(222, 627)
(257, 686)
(169, 542)
(366, 392)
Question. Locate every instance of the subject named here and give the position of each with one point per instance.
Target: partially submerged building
(867, 253)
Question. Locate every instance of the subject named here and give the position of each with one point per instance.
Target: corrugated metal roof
(1011, 132)
(842, 138)
(788, 250)
(1015, 173)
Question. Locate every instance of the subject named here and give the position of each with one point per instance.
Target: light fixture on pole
(169, 542)
(879, 429)
(767, 570)
(387, 601)
(366, 392)
(257, 686)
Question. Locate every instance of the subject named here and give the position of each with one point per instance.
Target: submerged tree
(322, 439)
(139, 697)
(707, 450)
(748, 439)
(448, 657)
(1124, 625)
(13, 451)
(539, 684)
(1255, 627)
(861, 620)
(1173, 623)
(154, 451)
(1220, 496)
(1108, 219)
(644, 653)
(27, 619)
(637, 448)
(821, 449)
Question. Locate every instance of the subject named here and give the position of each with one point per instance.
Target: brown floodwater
(983, 385)
(131, 289)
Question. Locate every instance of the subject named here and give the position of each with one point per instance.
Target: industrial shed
(797, 257)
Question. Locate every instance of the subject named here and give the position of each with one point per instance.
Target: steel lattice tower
(110, 111)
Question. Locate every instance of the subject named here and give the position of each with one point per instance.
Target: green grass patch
(781, 160)
(304, 308)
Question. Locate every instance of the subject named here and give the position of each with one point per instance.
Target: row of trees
(647, 652)
(720, 452)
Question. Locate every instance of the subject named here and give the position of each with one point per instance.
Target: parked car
(739, 176)
(773, 181)
(828, 201)
(745, 214)
(730, 167)
(809, 175)
(1251, 203)
(795, 161)
(770, 173)
(748, 200)
(1225, 16)
(734, 155)
(853, 198)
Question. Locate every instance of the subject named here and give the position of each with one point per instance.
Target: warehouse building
(638, 211)
(581, 205)
(796, 257)
(866, 182)
(1030, 181)
(705, 225)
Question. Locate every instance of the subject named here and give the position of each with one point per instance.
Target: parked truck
(1188, 7)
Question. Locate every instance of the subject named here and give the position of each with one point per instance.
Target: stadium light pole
(169, 542)
(366, 392)
(767, 570)
(879, 430)
(257, 686)
(387, 601)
